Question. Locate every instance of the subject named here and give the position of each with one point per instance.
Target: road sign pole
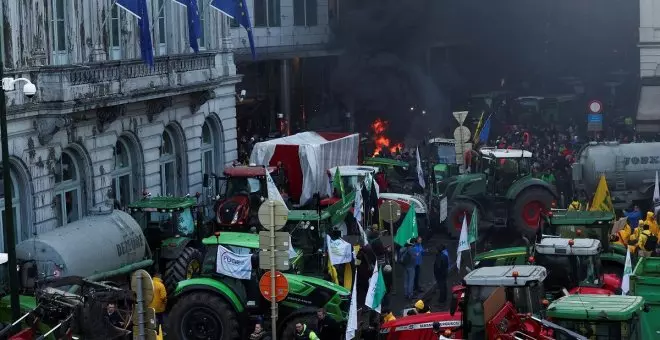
(393, 249)
(273, 298)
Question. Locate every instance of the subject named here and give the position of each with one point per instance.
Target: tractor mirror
(205, 181)
(453, 304)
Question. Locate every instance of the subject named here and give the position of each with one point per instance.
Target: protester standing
(326, 327)
(407, 260)
(418, 251)
(159, 302)
(633, 217)
(440, 272)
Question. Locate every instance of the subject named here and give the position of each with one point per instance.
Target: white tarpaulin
(339, 250)
(234, 265)
(316, 154)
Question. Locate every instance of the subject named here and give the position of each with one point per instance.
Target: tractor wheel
(203, 315)
(290, 326)
(526, 211)
(455, 213)
(182, 268)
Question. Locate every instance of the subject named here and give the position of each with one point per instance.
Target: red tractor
(496, 303)
(245, 190)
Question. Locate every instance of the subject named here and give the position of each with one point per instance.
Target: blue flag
(194, 25)
(485, 131)
(238, 10)
(139, 9)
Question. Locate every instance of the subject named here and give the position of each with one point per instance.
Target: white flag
(365, 240)
(234, 265)
(357, 206)
(656, 195)
(352, 325)
(420, 172)
(376, 290)
(627, 271)
(339, 250)
(462, 244)
(273, 192)
(292, 252)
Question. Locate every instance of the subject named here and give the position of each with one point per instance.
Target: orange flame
(379, 127)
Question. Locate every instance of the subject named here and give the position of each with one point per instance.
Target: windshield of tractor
(243, 185)
(596, 232)
(566, 271)
(526, 299)
(600, 330)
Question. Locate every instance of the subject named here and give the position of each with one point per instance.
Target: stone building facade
(103, 127)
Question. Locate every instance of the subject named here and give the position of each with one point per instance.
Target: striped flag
(376, 290)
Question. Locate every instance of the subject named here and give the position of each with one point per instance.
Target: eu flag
(194, 26)
(139, 9)
(238, 10)
(485, 131)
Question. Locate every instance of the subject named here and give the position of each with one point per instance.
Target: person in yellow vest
(622, 236)
(653, 225)
(388, 316)
(645, 248)
(634, 238)
(576, 205)
(160, 299)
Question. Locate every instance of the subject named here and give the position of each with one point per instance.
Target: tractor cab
(612, 317)
(588, 224)
(501, 187)
(245, 190)
(500, 303)
(573, 264)
(400, 176)
(351, 176)
(443, 151)
(173, 228)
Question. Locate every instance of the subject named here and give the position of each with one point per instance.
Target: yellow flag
(348, 276)
(159, 336)
(602, 200)
(332, 271)
(477, 131)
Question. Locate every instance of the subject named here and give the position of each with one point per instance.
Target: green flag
(337, 183)
(376, 290)
(474, 227)
(408, 228)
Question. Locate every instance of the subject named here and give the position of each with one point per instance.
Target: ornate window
(201, 5)
(19, 230)
(68, 190)
(115, 23)
(122, 176)
(169, 180)
(58, 23)
(208, 159)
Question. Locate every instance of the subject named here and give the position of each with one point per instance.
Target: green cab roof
(581, 217)
(230, 238)
(306, 215)
(596, 307)
(384, 161)
(163, 203)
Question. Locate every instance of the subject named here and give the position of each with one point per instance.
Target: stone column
(97, 19)
(285, 92)
(39, 28)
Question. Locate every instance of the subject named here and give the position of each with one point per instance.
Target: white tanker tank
(629, 169)
(88, 247)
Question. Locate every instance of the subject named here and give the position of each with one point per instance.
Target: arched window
(68, 189)
(169, 180)
(17, 212)
(208, 159)
(123, 179)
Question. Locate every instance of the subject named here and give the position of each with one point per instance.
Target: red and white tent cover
(306, 157)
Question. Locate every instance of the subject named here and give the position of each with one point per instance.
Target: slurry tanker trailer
(629, 169)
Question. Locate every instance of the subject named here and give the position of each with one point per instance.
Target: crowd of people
(637, 231)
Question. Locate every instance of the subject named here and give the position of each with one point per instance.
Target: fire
(379, 127)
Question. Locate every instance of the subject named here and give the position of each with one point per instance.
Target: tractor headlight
(235, 219)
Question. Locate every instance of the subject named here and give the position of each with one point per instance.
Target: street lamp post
(8, 223)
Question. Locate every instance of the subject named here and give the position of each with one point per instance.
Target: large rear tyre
(184, 267)
(455, 213)
(526, 213)
(289, 331)
(203, 316)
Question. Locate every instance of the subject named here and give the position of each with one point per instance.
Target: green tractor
(573, 266)
(401, 177)
(612, 317)
(215, 306)
(503, 190)
(588, 224)
(174, 229)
